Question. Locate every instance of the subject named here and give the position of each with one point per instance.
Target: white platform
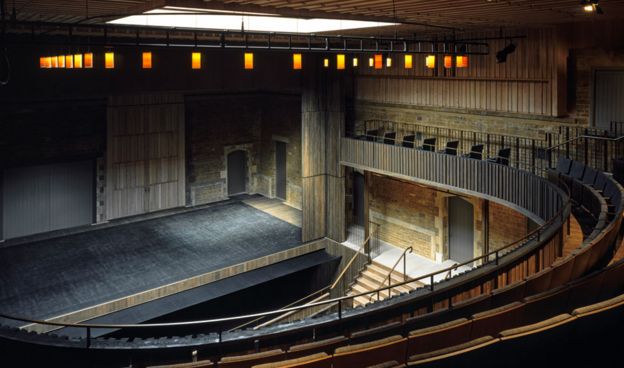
(416, 265)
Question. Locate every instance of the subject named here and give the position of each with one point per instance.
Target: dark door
(461, 230)
(608, 97)
(43, 198)
(237, 173)
(280, 170)
(358, 198)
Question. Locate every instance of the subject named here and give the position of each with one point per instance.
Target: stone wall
(220, 124)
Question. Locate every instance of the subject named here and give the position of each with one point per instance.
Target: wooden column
(322, 109)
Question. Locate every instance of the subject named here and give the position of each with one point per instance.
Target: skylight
(232, 20)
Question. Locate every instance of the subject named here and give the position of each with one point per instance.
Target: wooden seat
(468, 307)
(449, 352)
(585, 291)
(322, 346)
(451, 148)
(389, 364)
(581, 262)
(545, 305)
(562, 272)
(437, 337)
(577, 170)
(508, 294)
(534, 328)
(378, 332)
(426, 320)
(503, 157)
(538, 282)
(589, 177)
(374, 352)
(493, 321)
(612, 281)
(248, 360)
(372, 135)
(318, 360)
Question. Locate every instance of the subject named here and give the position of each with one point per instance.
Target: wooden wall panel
(530, 82)
(313, 208)
(145, 156)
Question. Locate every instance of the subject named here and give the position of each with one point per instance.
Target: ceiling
(419, 14)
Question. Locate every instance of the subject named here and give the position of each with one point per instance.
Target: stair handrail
(328, 288)
(389, 276)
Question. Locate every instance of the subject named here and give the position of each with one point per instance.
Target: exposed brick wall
(505, 226)
(407, 214)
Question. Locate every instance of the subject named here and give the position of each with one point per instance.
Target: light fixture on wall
(592, 6)
(109, 60)
(60, 61)
(146, 60)
(355, 62)
(388, 61)
(409, 61)
(430, 61)
(88, 60)
(297, 62)
(378, 61)
(340, 61)
(448, 61)
(249, 61)
(461, 61)
(371, 62)
(501, 56)
(196, 60)
(78, 61)
(326, 63)
(45, 62)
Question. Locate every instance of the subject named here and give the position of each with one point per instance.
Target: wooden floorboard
(276, 208)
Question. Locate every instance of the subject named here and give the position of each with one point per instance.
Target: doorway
(461, 229)
(608, 94)
(237, 172)
(280, 170)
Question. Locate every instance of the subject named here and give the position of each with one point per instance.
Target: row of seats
(476, 331)
(429, 144)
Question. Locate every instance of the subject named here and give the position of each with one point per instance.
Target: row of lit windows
(78, 61)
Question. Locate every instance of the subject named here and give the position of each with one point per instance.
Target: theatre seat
(370, 353)
(319, 360)
(248, 360)
(321, 346)
(437, 337)
(493, 321)
(378, 332)
(198, 364)
(449, 352)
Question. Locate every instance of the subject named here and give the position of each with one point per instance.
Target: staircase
(371, 278)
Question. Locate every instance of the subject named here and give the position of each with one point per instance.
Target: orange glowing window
(69, 61)
(61, 61)
(147, 60)
(196, 60)
(249, 61)
(378, 61)
(45, 62)
(54, 63)
(109, 60)
(297, 62)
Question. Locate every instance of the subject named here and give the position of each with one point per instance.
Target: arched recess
(237, 177)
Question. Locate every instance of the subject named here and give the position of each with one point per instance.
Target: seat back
(378, 332)
(562, 272)
(508, 294)
(589, 176)
(389, 137)
(408, 141)
(563, 165)
(438, 337)
(503, 156)
(476, 152)
(578, 170)
(538, 282)
(493, 321)
(371, 135)
(601, 181)
(322, 346)
(248, 360)
(429, 144)
(585, 291)
(319, 360)
(469, 354)
(451, 147)
(468, 307)
(370, 353)
(545, 305)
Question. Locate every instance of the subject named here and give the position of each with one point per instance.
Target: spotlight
(592, 6)
(501, 56)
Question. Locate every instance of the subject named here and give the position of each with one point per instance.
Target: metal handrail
(337, 300)
(320, 291)
(389, 276)
(595, 137)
